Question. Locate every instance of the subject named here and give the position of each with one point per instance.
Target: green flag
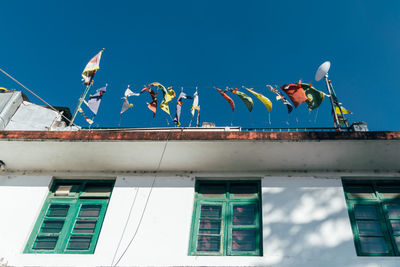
(245, 98)
(314, 96)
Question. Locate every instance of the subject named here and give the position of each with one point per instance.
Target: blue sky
(46, 45)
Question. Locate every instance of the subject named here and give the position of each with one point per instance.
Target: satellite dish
(322, 70)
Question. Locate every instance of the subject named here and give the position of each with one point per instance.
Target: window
(374, 210)
(71, 217)
(226, 219)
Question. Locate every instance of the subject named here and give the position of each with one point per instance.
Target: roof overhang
(199, 151)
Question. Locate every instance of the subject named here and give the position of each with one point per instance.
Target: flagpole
(80, 103)
(336, 120)
(338, 105)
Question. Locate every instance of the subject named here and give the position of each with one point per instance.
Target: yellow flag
(168, 95)
(344, 110)
(3, 90)
(263, 99)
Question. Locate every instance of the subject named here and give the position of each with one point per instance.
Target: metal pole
(80, 103)
(338, 105)
(336, 120)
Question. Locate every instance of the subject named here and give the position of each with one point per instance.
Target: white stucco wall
(305, 223)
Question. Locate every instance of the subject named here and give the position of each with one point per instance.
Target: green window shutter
(226, 219)
(209, 225)
(374, 211)
(71, 219)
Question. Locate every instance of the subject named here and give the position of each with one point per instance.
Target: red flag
(295, 92)
(153, 104)
(227, 99)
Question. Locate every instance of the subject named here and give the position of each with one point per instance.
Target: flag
(128, 93)
(84, 115)
(91, 68)
(94, 100)
(179, 104)
(245, 98)
(3, 90)
(314, 96)
(153, 104)
(125, 105)
(168, 95)
(279, 96)
(296, 93)
(263, 99)
(198, 116)
(344, 110)
(195, 106)
(227, 98)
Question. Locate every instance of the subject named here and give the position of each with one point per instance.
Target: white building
(205, 197)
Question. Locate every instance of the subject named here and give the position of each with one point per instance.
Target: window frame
(75, 205)
(381, 202)
(227, 201)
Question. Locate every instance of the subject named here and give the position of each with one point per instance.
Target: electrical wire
(145, 205)
(38, 97)
(126, 224)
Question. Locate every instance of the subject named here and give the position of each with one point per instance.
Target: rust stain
(105, 135)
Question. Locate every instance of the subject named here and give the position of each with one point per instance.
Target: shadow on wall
(306, 226)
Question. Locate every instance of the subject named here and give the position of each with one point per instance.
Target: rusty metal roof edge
(115, 135)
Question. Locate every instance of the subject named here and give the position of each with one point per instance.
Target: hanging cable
(145, 205)
(26, 88)
(126, 225)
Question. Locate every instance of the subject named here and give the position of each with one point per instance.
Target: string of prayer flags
(295, 92)
(153, 104)
(3, 90)
(179, 104)
(314, 96)
(195, 106)
(267, 103)
(227, 98)
(90, 121)
(247, 100)
(168, 95)
(94, 100)
(279, 96)
(91, 68)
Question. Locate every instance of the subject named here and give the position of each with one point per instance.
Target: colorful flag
(94, 100)
(314, 96)
(296, 93)
(263, 99)
(279, 96)
(179, 104)
(247, 100)
(3, 90)
(91, 68)
(168, 95)
(344, 110)
(195, 106)
(227, 98)
(153, 104)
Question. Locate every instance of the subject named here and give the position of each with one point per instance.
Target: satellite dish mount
(322, 72)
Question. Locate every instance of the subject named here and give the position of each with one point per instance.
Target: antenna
(322, 70)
